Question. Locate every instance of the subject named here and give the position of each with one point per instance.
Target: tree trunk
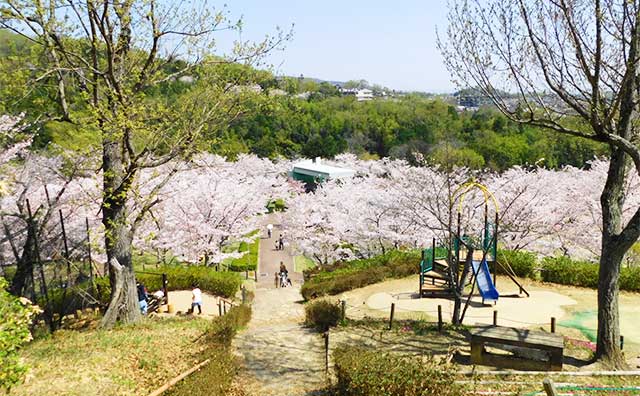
(124, 305)
(24, 270)
(608, 346)
(612, 253)
(124, 296)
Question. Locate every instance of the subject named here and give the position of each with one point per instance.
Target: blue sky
(392, 43)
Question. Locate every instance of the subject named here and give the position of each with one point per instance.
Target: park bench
(531, 350)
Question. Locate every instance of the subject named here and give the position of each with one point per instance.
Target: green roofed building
(314, 171)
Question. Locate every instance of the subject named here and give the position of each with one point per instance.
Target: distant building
(314, 172)
(360, 94)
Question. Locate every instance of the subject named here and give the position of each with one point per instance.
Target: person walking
(280, 243)
(269, 230)
(196, 299)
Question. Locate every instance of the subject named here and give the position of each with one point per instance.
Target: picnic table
(531, 349)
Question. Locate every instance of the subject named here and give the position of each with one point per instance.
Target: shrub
(248, 262)
(523, 263)
(215, 378)
(361, 372)
(347, 275)
(224, 328)
(15, 318)
(322, 314)
(276, 205)
(181, 277)
(566, 271)
(630, 279)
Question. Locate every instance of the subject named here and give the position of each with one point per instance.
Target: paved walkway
(281, 357)
(270, 258)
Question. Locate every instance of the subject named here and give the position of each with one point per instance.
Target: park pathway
(281, 357)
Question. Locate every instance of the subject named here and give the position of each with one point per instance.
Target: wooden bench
(532, 350)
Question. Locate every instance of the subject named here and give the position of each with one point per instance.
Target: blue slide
(485, 284)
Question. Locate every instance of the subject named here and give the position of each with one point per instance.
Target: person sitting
(142, 298)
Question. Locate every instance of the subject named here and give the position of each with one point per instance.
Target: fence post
(495, 318)
(246, 274)
(393, 309)
(326, 352)
(553, 324)
(621, 342)
(440, 318)
(219, 308)
(224, 307)
(549, 387)
(164, 288)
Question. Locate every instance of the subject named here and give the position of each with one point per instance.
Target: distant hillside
(12, 43)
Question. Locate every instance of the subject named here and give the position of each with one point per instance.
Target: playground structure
(463, 260)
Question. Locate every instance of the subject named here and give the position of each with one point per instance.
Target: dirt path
(281, 357)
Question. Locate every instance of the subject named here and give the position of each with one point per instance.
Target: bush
(15, 318)
(215, 378)
(276, 205)
(224, 328)
(566, 271)
(523, 263)
(342, 276)
(630, 279)
(181, 277)
(361, 372)
(322, 314)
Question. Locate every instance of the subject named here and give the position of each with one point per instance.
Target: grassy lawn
(124, 361)
(301, 263)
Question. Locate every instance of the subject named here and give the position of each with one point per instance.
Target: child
(196, 299)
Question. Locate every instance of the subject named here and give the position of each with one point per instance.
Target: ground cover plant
(343, 276)
(217, 376)
(362, 372)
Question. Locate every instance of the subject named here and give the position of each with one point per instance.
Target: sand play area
(181, 302)
(575, 309)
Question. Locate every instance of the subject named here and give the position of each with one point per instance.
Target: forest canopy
(293, 117)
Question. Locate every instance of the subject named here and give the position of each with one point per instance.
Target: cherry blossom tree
(212, 202)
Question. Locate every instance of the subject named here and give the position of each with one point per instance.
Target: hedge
(523, 263)
(322, 314)
(216, 378)
(566, 271)
(342, 276)
(224, 284)
(362, 372)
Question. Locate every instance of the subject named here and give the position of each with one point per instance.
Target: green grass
(302, 263)
(249, 261)
(126, 360)
(216, 378)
